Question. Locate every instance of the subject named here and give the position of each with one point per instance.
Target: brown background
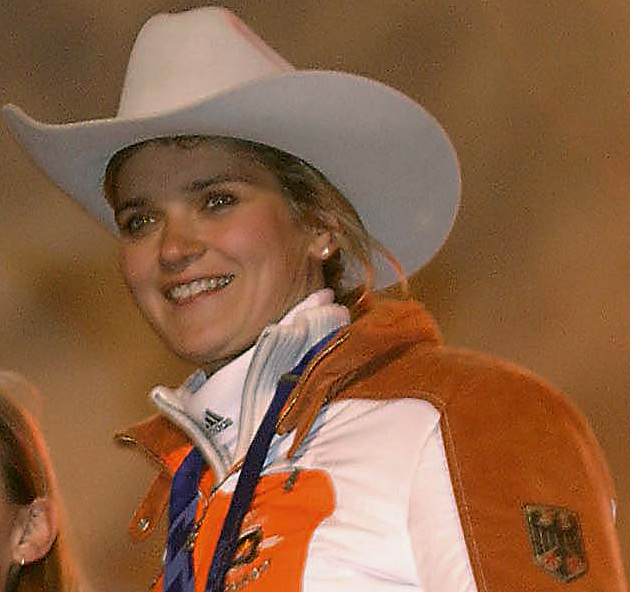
(536, 98)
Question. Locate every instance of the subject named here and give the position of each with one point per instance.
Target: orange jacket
(529, 478)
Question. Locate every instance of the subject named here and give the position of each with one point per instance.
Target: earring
(326, 251)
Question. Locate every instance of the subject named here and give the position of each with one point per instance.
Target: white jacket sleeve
(436, 533)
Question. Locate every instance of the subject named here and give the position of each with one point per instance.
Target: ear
(35, 530)
(324, 230)
(323, 245)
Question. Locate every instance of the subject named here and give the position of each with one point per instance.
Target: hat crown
(179, 59)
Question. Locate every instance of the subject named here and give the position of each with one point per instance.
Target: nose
(179, 246)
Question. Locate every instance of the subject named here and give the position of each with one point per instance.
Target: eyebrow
(193, 187)
(128, 204)
(201, 184)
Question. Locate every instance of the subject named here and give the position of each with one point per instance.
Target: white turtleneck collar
(222, 412)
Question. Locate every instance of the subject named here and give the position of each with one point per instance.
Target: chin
(191, 354)
(199, 354)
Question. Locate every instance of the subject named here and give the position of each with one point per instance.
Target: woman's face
(210, 249)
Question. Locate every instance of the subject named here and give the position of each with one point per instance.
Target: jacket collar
(382, 334)
(379, 334)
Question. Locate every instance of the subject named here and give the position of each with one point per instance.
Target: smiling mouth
(188, 291)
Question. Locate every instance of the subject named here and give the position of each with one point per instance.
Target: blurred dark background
(536, 98)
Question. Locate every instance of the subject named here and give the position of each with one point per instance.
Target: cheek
(279, 256)
(257, 241)
(133, 267)
(278, 236)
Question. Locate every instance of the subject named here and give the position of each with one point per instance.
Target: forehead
(159, 163)
(171, 154)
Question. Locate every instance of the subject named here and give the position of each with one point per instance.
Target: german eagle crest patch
(556, 540)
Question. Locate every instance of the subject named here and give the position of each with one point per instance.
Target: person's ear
(35, 531)
(324, 243)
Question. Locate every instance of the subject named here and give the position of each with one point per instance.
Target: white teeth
(186, 291)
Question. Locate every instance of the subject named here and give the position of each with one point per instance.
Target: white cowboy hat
(204, 72)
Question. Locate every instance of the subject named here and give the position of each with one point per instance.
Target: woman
(328, 441)
(32, 555)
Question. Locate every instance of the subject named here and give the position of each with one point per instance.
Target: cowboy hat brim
(385, 153)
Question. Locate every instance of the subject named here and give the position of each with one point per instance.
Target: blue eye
(135, 224)
(220, 200)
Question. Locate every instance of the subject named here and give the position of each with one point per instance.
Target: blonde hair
(316, 202)
(25, 475)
